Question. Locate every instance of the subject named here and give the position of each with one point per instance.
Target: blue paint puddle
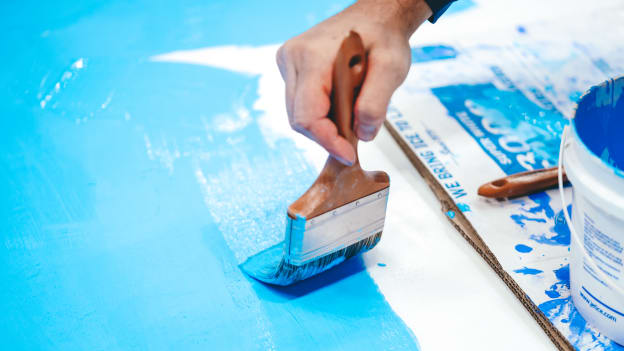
(108, 239)
(523, 248)
(528, 271)
(429, 53)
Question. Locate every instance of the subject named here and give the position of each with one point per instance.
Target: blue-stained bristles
(271, 267)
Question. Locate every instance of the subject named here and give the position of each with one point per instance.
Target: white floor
(437, 283)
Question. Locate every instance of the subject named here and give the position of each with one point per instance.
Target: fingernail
(344, 161)
(366, 132)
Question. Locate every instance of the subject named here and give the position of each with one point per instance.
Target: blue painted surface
(599, 124)
(108, 239)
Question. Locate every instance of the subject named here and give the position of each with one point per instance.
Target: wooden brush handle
(521, 184)
(348, 76)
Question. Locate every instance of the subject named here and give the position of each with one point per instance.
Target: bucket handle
(608, 281)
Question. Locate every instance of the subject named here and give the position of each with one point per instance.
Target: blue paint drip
(528, 271)
(109, 244)
(523, 248)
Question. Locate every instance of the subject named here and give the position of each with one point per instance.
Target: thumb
(386, 71)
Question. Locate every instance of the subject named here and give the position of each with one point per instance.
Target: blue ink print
(528, 271)
(433, 53)
(523, 248)
(516, 132)
(451, 214)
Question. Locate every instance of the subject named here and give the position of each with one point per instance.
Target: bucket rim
(615, 170)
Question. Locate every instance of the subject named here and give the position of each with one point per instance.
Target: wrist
(405, 16)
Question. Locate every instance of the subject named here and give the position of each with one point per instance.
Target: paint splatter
(523, 248)
(528, 271)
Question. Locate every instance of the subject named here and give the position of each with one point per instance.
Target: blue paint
(599, 124)
(559, 234)
(520, 219)
(528, 271)
(451, 214)
(561, 310)
(523, 248)
(381, 264)
(460, 6)
(106, 240)
(463, 207)
(521, 29)
(429, 53)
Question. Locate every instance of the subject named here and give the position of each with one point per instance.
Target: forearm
(404, 16)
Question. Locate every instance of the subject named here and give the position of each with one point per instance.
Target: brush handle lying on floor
(338, 184)
(521, 184)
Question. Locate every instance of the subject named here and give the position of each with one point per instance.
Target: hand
(306, 64)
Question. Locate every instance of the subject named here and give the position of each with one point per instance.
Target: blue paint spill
(559, 234)
(451, 214)
(561, 310)
(528, 271)
(520, 219)
(422, 54)
(523, 248)
(107, 240)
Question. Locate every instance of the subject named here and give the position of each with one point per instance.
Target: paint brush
(342, 214)
(521, 184)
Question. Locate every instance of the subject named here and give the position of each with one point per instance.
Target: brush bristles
(264, 266)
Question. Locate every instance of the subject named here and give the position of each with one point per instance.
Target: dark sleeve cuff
(438, 7)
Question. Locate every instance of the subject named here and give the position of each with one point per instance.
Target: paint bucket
(592, 153)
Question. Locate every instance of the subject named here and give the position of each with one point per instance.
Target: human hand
(306, 63)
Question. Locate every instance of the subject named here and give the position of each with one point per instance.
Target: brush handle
(521, 184)
(348, 76)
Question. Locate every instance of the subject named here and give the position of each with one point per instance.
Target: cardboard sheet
(478, 107)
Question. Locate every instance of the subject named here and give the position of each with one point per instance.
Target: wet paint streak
(128, 202)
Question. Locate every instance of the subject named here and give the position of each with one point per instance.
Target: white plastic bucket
(592, 153)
